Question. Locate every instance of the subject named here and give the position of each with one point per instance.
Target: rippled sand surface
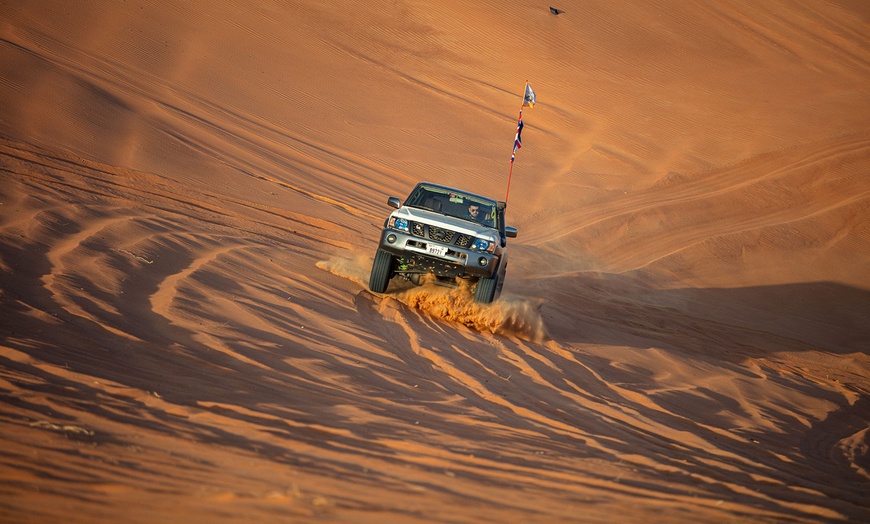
(190, 199)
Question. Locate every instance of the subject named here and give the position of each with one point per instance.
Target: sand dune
(190, 199)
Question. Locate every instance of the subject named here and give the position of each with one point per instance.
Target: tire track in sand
(161, 300)
(64, 275)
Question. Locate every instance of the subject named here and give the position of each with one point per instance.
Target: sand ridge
(190, 200)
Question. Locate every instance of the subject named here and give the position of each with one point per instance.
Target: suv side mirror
(510, 232)
(394, 202)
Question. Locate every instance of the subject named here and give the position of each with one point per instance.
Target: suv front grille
(439, 234)
(463, 240)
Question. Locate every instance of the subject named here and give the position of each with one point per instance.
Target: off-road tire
(382, 271)
(486, 288)
(489, 289)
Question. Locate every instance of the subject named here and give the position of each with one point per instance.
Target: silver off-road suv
(447, 233)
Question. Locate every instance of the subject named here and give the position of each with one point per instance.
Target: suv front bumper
(427, 256)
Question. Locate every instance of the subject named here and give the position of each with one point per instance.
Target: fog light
(482, 261)
(391, 238)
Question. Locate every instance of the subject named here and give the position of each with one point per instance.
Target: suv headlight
(484, 244)
(398, 223)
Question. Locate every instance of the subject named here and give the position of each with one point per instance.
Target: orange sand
(191, 196)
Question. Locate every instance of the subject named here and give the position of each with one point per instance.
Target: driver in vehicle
(475, 214)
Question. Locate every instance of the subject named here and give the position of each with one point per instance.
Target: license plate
(438, 251)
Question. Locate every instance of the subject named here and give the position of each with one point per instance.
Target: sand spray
(508, 316)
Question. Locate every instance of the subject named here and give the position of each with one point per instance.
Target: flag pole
(513, 155)
(528, 100)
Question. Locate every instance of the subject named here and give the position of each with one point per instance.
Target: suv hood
(456, 224)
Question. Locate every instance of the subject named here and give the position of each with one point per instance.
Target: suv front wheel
(382, 271)
(488, 289)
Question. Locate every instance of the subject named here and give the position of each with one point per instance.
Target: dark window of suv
(455, 204)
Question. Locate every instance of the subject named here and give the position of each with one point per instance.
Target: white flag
(529, 97)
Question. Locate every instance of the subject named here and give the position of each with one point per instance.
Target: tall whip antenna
(528, 100)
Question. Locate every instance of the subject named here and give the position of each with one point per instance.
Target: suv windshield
(455, 203)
